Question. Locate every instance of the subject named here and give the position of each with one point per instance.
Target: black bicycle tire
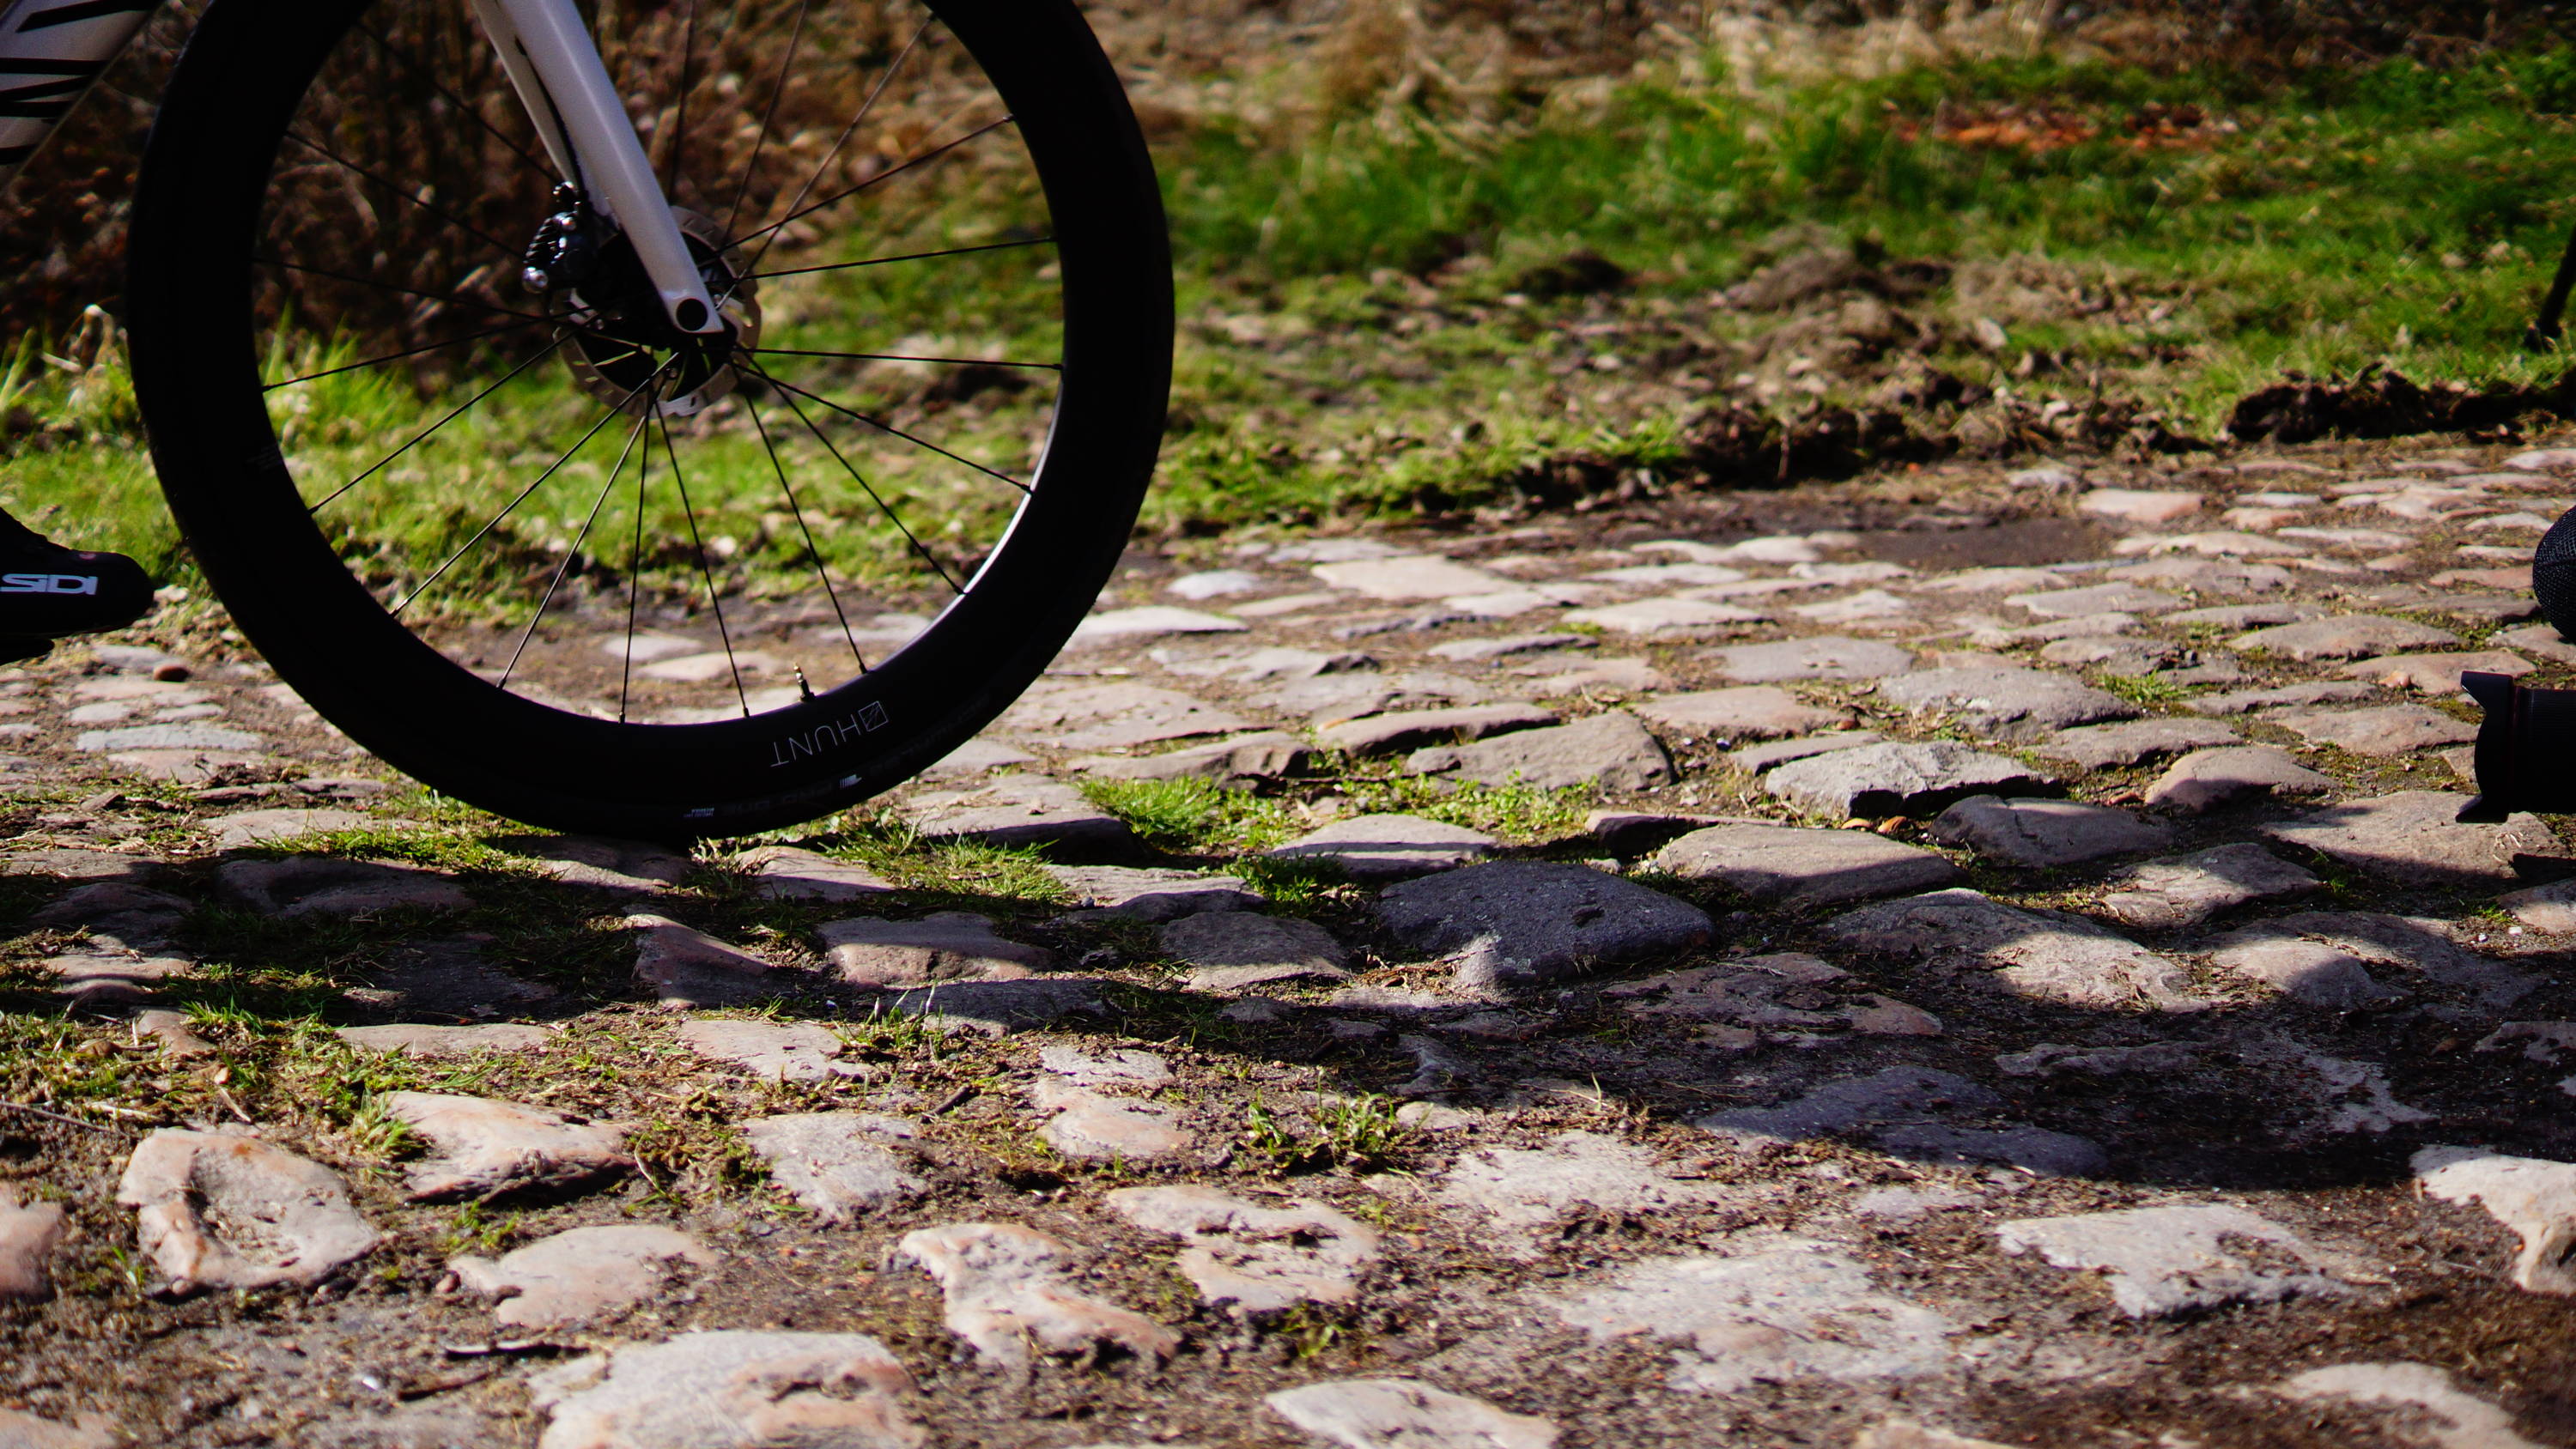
(206, 165)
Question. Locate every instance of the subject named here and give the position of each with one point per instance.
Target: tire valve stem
(802, 687)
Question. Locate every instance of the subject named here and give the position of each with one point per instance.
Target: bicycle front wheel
(473, 500)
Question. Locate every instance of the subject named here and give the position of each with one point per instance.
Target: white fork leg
(557, 72)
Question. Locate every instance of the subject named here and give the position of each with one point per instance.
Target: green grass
(1367, 320)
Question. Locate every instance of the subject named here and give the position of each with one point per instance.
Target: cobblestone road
(2021, 983)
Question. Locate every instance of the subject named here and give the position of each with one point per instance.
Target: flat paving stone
(2389, 730)
(1236, 760)
(2533, 1196)
(1007, 1295)
(1150, 621)
(2550, 908)
(1087, 716)
(1388, 847)
(486, 1147)
(2435, 674)
(2290, 696)
(1891, 1097)
(1405, 1414)
(2131, 742)
(2207, 780)
(2419, 1396)
(30, 1235)
(1802, 1310)
(2345, 636)
(85, 1431)
(1406, 577)
(581, 1274)
(1120, 1067)
(1667, 616)
(1403, 730)
(996, 1008)
(434, 1042)
(1755, 759)
(2004, 702)
(1520, 922)
(444, 976)
(1754, 712)
(2044, 955)
(314, 885)
(1230, 950)
(1254, 1257)
(1153, 895)
(1522, 1191)
(730, 1390)
(600, 862)
(2037, 834)
(2247, 616)
(838, 1164)
(2145, 506)
(1784, 865)
(222, 1210)
(1019, 810)
(785, 873)
(2312, 973)
(118, 913)
(771, 1050)
(2415, 838)
(1824, 657)
(1610, 750)
(976, 757)
(1900, 779)
(2054, 1059)
(1746, 990)
(260, 827)
(184, 735)
(943, 946)
(2163, 1261)
(2186, 890)
(686, 967)
(2075, 603)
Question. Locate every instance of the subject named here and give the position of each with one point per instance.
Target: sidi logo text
(788, 749)
(48, 584)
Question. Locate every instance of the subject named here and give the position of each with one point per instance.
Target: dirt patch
(2384, 404)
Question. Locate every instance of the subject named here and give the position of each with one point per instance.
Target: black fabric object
(2526, 750)
(48, 591)
(2553, 574)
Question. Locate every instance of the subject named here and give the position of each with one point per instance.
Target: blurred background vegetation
(1487, 256)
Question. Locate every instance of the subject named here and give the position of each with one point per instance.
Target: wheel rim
(603, 520)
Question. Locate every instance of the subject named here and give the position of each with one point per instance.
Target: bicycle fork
(556, 69)
(53, 51)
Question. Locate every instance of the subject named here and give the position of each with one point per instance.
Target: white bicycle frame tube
(52, 51)
(555, 67)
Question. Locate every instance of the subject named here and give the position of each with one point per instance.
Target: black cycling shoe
(48, 591)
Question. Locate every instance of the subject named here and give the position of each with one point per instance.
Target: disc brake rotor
(624, 351)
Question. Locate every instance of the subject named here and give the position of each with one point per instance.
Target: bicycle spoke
(777, 91)
(866, 104)
(903, 357)
(398, 356)
(634, 579)
(424, 74)
(905, 257)
(424, 434)
(724, 636)
(524, 494)
(680, 123)
(564, 569)
(797, 510)
(454, 299)
(407, 194)
(870, 489)
(845, 193)
(773, 380)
